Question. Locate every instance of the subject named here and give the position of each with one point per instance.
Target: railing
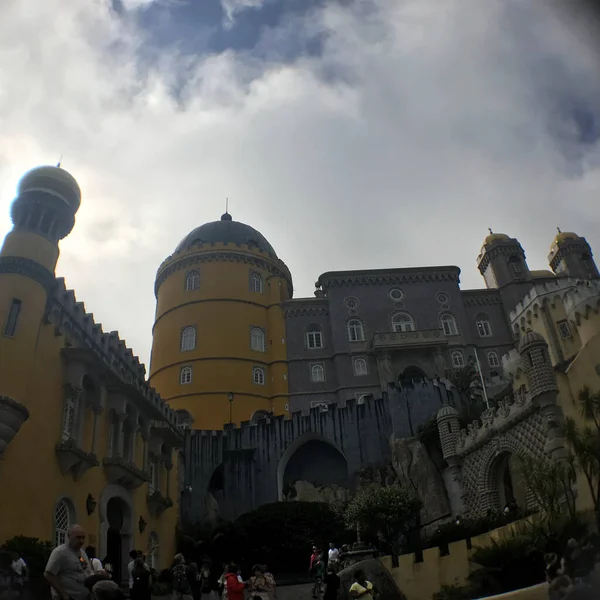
(409, 339)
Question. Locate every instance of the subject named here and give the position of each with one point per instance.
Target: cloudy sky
(352, 133)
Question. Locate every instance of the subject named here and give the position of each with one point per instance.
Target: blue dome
(226, 231)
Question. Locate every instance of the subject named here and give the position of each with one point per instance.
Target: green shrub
(35, 553)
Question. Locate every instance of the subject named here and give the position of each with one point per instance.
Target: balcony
(157, 503)
(124, 473)
(409, 340)
(72, 459)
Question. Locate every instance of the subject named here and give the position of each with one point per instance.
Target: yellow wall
(419, 581)
(223, 310)
(32, 372)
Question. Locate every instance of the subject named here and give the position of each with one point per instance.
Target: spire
(59, 163)
(226, 216)
(558, 229)
(490, 230)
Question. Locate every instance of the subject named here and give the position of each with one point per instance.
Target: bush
(35, 553)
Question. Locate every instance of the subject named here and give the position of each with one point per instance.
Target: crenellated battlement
(494, 421)
(582, 300)
(70, 319)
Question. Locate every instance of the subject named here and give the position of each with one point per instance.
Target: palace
(255, 396)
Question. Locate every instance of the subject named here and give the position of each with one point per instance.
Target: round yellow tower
(219, 348)
(43, 213)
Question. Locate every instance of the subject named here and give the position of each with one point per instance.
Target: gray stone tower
(448, 429)
(543, 390)
(571, 256)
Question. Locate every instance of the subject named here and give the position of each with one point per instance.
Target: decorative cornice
(18, 265)
(481, 299)
(306, 311)
(189, 260)
(508, 248)
(352, 278)
(568, 247)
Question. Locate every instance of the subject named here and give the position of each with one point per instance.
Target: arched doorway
(215, 495)
(315, 464)
(508, 482)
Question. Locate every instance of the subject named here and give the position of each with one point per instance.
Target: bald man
(68, 567)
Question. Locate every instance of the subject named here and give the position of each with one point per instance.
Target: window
(185, 375)
(152, 475)
(258, 376)
(10, 326)
(317, 373)
(448, 323)
(62, 522)
(442, 298)
(153, 551)
(314, 337)
(564, 329)
(355, 331)
(256, 282)
(402, 322)
(360, 366)
(396, 295)
(192, 281)
(493, 359)
(188, 339)
(458, 360)
(257, 339)
(351, 303)
(68, 418)
(515, 265)
(586, 261)
(184, 419)
(483, 325)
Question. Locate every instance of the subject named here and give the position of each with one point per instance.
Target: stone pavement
(295, 592)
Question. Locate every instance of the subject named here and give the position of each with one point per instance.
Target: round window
(396, 294)
(351, 303)
(442, 298)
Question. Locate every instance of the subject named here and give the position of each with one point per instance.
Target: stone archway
(313, 459)
(504, 482)
(116, 529)
(215, 495)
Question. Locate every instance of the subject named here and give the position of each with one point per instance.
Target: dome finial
(226, 216)
(558, 229)
(490, 230)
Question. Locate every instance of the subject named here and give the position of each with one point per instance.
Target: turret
(537, 364)
(571, 256)
(43, 213)
(448, 428)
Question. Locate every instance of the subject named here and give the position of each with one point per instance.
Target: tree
(551, 483)
(584, 443)
(387, 511)
(467, 382)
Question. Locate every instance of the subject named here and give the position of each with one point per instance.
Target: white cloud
(232, 7)
(433, 129)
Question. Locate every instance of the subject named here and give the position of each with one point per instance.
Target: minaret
(571, 256)
(43, 213)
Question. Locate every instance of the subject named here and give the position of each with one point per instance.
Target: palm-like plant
(467, 382)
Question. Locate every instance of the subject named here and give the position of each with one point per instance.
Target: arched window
(256, 282)
(493, 359)
(192, 281)
(188, 338)
(458, 360)
(68, 426)
(185, 375)
(258, 376)
(184, 419)
(63, 519)
(355, 331)
(448, 323)
(317, 373)
(514, 262)
(586, 262)
(360, 366)
(257, 339)
(153, 551)
(152, 474)
(314, 337)
(483, 325)
(402, 322)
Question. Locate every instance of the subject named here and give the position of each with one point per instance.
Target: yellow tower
(43, 213)
(219, 347)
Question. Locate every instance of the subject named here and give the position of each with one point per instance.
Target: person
(259, 585)
(8, 589)
(20, 572)
(318, 572)
(108, 567)
(234, 586)
(332, 584)
(271, 581)
(361, 588)
(107, 590)
(68, 567)
(142, 581)
(182, 590)
(133, 554)
(333, 557)
(95, 563)
(313, 558)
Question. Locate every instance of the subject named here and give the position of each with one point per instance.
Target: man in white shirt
(334, 555)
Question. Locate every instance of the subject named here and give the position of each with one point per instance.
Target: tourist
(8, 590)
(313, 558)
(318, 573)
(68, 567)
(234, 586)
(332, 584)
(108, 566)
(107, 590)
(181, 579)
(208, 586)
(270, 580)
(333, 557)
(20, 572)
(142, 580)
(95, 563)
(361, 588)
(259, 585)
